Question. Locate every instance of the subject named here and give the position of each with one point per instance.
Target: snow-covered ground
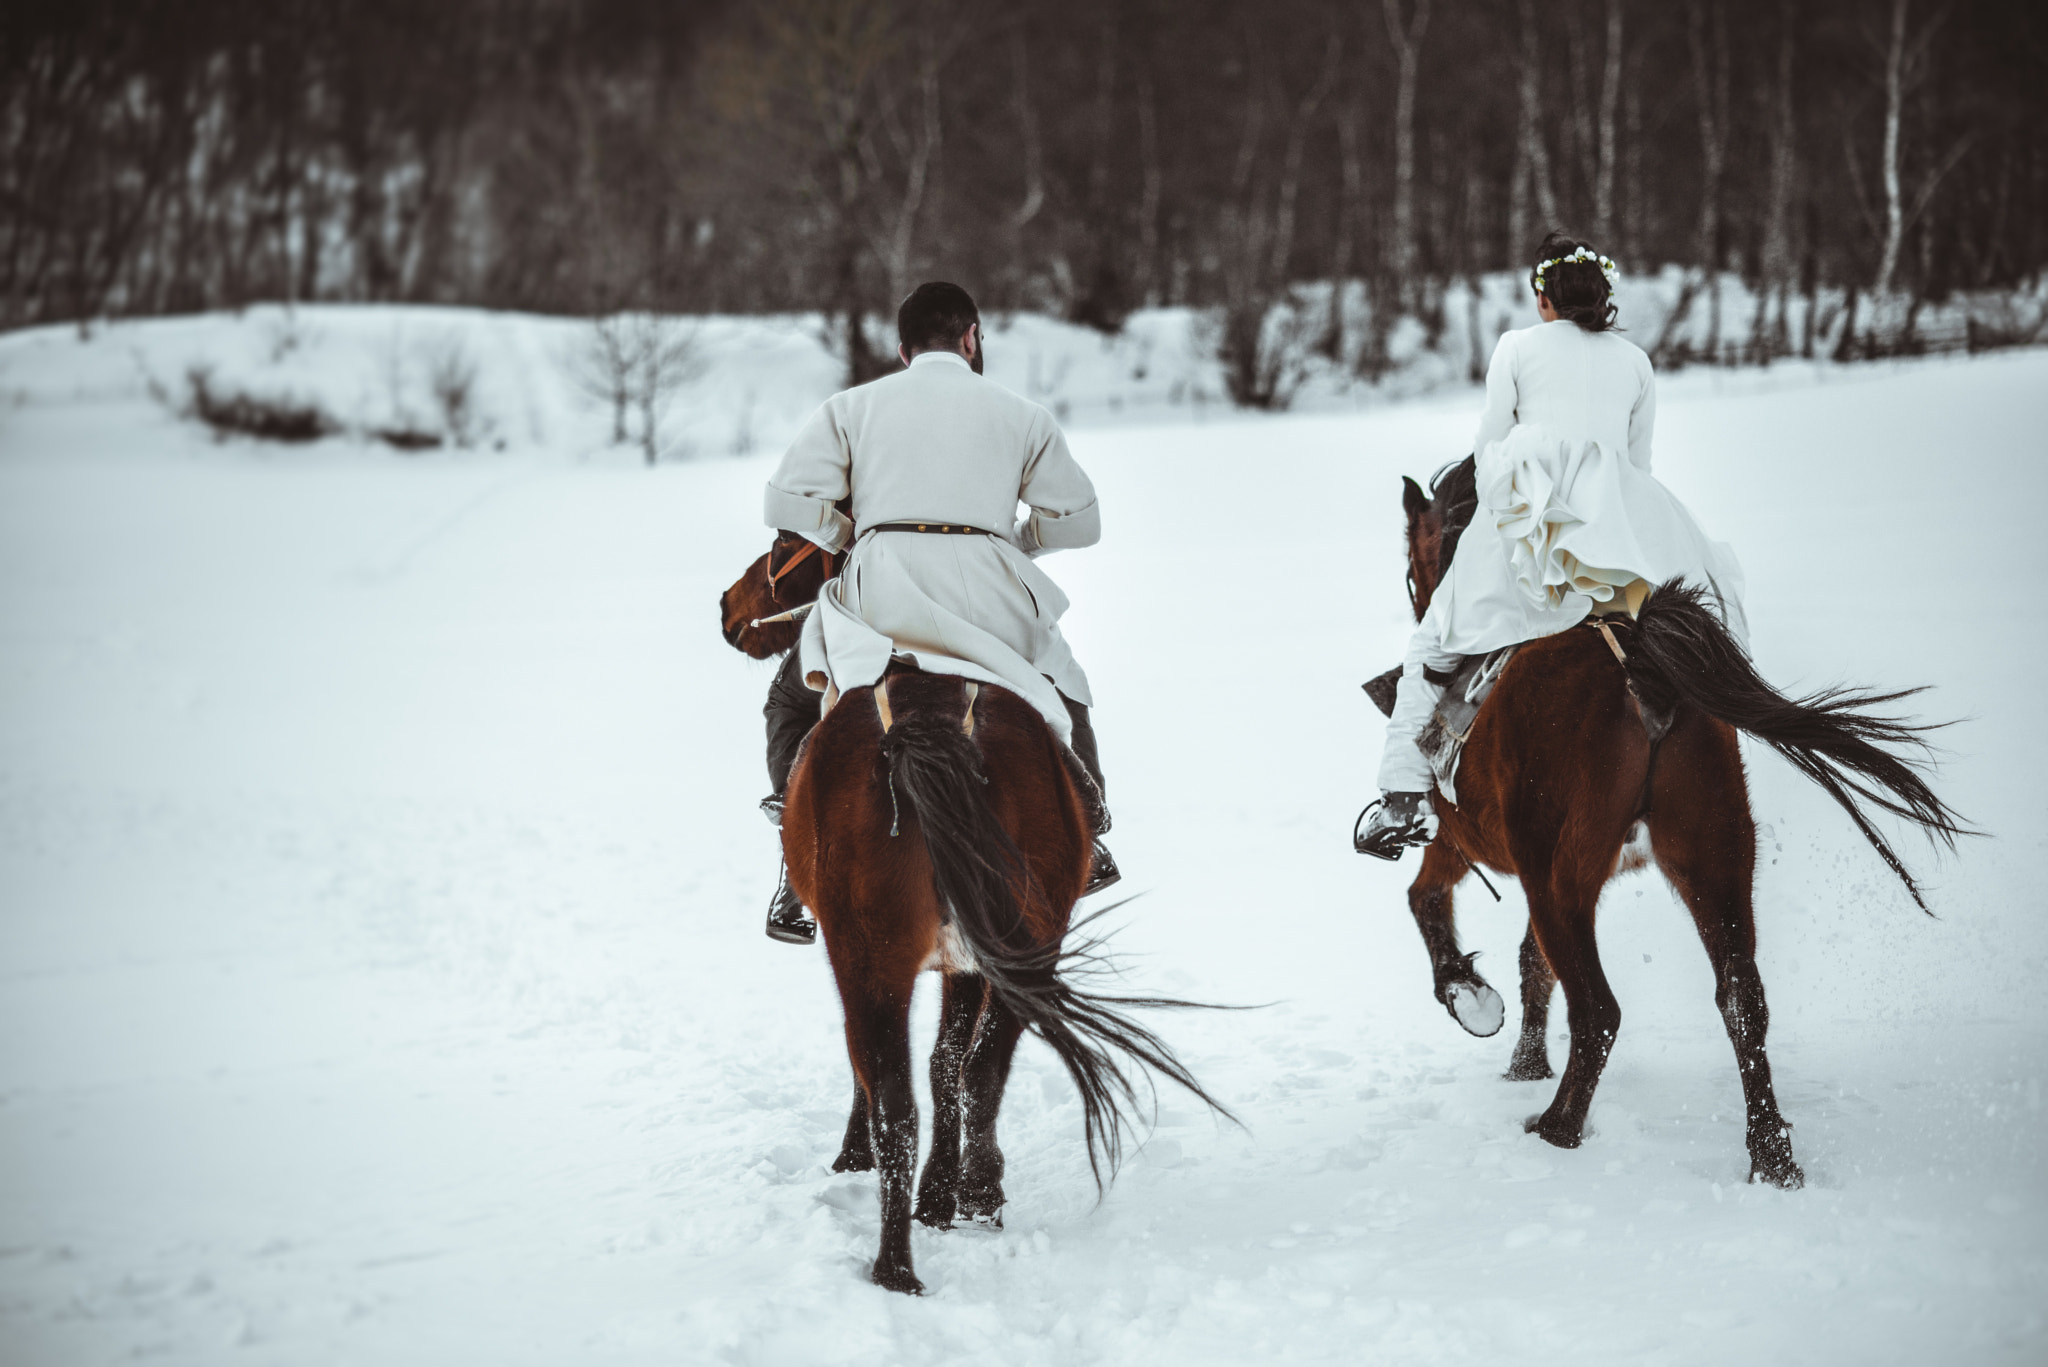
(382, 981)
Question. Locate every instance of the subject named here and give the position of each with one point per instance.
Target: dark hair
(934, 315)
(1577, 289)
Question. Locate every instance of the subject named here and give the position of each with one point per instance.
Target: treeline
(1086, 159)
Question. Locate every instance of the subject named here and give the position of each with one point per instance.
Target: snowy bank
(416, 377)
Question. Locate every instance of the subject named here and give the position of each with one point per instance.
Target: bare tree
(1894, 103)
(1610, 93)
(1407, 40)
(1535, 151)
(667, 358)
(603, 366)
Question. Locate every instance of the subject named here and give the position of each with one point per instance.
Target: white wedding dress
(1569, 516)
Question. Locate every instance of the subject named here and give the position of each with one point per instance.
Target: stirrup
(1390, 824)
(1103, 871)
(787, 921)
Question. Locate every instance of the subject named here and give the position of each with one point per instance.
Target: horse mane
(1454, 497)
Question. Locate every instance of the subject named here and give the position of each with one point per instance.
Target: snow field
(381, 977)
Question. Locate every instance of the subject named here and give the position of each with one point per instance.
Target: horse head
(788, 576)
(1435, 522)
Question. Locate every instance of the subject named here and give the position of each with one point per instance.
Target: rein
(810, 548)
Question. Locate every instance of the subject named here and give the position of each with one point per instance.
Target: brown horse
(1595, 741)
(934, 823)
(789, 576)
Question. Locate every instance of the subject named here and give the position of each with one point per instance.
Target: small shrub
(266, 418)
(451, 375)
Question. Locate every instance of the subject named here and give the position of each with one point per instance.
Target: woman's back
(1574, 385)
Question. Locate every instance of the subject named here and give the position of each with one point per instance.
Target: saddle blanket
(1465, 691)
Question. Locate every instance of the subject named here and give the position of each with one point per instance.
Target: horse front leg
(1472, 1003)
(1531, 1062)
(857, 1149)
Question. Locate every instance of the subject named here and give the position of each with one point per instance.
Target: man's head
(937, 316)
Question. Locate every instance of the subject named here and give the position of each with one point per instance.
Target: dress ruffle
(1578, 523)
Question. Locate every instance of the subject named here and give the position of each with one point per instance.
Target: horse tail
(984, 882)
(1680, 651)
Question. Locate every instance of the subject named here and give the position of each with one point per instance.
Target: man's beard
(980, 350)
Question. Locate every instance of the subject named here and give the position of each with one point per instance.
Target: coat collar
(955, 357)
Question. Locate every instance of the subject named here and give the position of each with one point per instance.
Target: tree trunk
(1027, 127)
(1290, 172)
(1535, 149)
(1894, 198)
(1350, 205)
(1148, 195)
(1610, 92)
(1407, 41)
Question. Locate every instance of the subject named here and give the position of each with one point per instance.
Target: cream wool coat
(938, 443)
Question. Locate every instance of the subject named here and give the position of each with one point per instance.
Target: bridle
(809, 549)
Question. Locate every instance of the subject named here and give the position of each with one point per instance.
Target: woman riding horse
(1571, 522)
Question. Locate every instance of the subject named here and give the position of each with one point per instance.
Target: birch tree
(1407, 40)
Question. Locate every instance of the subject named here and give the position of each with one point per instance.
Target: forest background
(1082, 160)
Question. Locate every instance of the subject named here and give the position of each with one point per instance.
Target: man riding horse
(933, 462)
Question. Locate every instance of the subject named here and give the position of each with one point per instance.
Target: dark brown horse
(1600, 750)
(933, 823)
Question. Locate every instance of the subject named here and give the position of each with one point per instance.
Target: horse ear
(1413, 499)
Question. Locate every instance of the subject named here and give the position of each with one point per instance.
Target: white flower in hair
(1610, 271)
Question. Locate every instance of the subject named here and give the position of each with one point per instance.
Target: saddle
(1467, 687)
(1094, 808)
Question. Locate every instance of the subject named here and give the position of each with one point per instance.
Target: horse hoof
(850, 1161)
(1785, 1177)
(985, 1209)
(939, 1215)
(1528, 1070)
(897, 1279)
(1477, 1007)
(1551, 1132)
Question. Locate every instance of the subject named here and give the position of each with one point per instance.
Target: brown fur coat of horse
(1585, 744)
(935, 824)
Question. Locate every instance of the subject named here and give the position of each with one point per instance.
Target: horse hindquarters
(1705, 842)
(879, 918)
(1559, 791)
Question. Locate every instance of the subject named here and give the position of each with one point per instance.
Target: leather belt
(936, 528)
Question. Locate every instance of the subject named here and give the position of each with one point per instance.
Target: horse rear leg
(1467, 996)
(938, 1189)
(857, 1149)
(878, 1042)
(983, 1081)
(1531, 1062)
(1561, 919)
(1705, 842)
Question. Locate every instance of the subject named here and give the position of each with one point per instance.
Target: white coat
(938, 443)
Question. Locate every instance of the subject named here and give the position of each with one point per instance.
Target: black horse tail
(983, 882)
(1680, 651)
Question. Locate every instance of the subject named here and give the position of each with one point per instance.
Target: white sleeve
(1501, 396)
(812, 477)
(1064, 514)
(1642, 420)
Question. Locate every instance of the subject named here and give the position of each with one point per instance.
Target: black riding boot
(1104, 869)
(791, 710)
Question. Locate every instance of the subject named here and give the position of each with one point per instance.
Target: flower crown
(1606, 264)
